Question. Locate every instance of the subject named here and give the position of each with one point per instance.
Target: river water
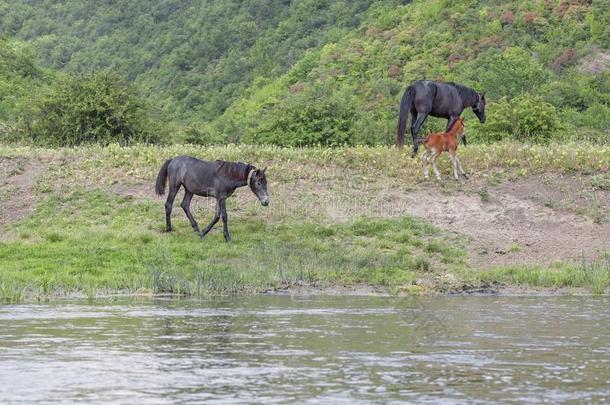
(332, 349)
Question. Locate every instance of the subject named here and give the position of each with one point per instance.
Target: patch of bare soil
(514, 223)
(17, 177)
(135, 190)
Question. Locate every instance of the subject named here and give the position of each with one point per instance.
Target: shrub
(199, 134)
(525, 118)
(312, 117)
(592, 125)
(87, 108)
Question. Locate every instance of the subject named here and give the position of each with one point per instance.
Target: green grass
(485, 196)
(600, 182)
(92, 241)
(593, 276)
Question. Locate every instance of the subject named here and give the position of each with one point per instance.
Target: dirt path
(17, 177)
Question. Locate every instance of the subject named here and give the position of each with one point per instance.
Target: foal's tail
(405, 107)
(162, 178)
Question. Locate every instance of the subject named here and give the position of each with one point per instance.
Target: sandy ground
(532, 220)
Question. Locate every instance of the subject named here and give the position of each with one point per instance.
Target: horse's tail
(162, 178)
(405, 106)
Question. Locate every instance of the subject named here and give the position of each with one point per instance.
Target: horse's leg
(413, 121)
(417, 123)
(433, 160)
(225, 220)
(169, 203)
(186, 206)
(460, 167)
(214, 220)
(450, 122)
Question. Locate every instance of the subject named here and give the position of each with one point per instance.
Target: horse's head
(258, 184)
(479, 109)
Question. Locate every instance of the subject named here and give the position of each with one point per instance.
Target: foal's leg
(454, 163)
(460, 167)
(425, 164)
(186, 206)
(171, 195)
(433, 160)
(214, 220)
(225, 219)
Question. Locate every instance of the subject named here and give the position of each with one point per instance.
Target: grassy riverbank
(85, 220)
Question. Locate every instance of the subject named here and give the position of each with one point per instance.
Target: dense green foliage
(19, 76)
(324, 72)
(193, 58)
(91, 108)
(524, 117)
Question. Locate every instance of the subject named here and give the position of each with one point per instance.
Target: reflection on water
(282, 349)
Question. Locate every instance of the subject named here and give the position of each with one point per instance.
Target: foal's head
(457, 129)
(258, 184)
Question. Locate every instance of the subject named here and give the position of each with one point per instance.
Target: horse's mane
(233, 170)
(466, 93)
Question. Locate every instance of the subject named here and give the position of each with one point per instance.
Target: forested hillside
(192, 58)
(309, 71)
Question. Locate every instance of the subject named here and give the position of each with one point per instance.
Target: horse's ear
(265, 169)
(482, 95)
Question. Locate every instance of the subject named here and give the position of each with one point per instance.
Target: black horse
(217, 179)
(438, 99)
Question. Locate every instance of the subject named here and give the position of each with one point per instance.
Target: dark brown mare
(438, 99)
(217, 179)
